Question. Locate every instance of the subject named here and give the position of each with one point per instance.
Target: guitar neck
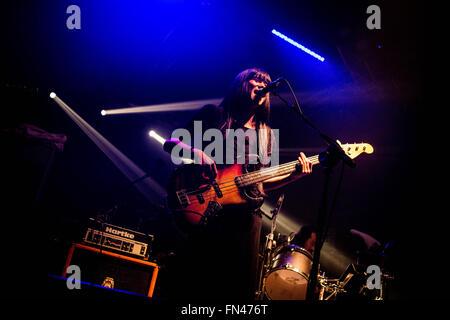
(271, 172)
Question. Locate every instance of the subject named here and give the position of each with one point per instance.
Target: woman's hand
(281, 181)
(306, 164)
(203, 159)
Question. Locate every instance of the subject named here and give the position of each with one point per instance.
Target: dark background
(370, 89)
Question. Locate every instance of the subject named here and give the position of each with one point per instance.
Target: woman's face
(256, 85)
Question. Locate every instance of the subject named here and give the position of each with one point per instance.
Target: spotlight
(103, 113)
(166, 107)
(161, 140)
(148, 187)
(156, 136)
(298, 45)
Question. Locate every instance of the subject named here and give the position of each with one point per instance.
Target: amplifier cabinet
(112, 270)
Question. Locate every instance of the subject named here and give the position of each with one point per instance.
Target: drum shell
(287, 279)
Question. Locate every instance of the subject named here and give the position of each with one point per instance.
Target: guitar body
(194, 200)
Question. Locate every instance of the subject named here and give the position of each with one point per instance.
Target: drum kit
(285, 273)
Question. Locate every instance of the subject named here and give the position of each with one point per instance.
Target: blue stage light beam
(298, 45)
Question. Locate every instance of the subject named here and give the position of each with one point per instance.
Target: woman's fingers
(306, 164)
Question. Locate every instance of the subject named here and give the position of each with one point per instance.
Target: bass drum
(288, 275)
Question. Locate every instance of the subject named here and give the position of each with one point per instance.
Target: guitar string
(287, 168)
(264, 170)
(228, 184)
(211, 194)
(257, 174)
(313, 159)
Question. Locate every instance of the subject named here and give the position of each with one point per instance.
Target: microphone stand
(328, 159)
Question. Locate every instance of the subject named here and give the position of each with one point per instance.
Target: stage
(93, 90)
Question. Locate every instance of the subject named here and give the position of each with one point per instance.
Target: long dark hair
(236, 105)
(238, 108)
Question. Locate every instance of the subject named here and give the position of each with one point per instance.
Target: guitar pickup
(200, 198)
(216, 187)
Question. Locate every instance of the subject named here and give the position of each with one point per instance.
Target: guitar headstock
(355, 149)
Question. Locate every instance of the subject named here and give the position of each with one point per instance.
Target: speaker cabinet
(112, 270)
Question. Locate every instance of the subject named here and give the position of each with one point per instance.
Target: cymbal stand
(268, 248)
(330, 287)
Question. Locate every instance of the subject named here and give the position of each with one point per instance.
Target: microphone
(269, 88)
